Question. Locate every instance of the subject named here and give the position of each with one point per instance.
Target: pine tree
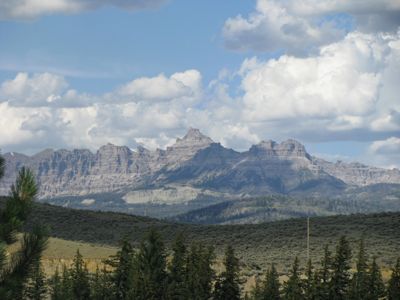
(61, 285)
(151, 266)
(309, 283)
(199, 273)
(358, 289)
(293, 287)
(36, 287)
(66, 284)
(341, 271)
(80, 278)
(55, 286)
(14, 275)
(177, 286)
(318, 294)
(257, 291)
(18, 206)
(375, 289)
(322, 278)
(271, 286)
(101, 285)
(394, 283)
(228, 285)
(123, 265)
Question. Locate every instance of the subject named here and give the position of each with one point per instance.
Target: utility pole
(308, 239)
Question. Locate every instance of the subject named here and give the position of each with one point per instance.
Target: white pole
(308, 239)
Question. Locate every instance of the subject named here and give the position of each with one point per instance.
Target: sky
(80, 74)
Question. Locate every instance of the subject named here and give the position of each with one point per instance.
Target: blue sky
(133, 72)
(111, 45)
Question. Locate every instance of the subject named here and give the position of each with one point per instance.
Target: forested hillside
(256, 245)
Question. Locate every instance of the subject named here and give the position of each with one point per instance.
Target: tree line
(146, 273)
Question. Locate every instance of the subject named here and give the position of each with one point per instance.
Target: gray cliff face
(358, 174)
(193, 161)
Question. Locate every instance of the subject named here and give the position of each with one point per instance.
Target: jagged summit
(195, 136)
(194, 161)
(192, 141)
(185, 148)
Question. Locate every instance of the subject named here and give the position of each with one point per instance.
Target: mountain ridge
(194, 161)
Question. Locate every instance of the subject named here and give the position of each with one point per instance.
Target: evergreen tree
(80, 278)
(341, 271)
(101, 285)
(36, 286)
(318, 294)
(375, 289)
(122, 277)
(293, 287)
(271, 286)
(18, 206)
(13, 275)
(309, 283)
(227, 288)
(323, 277)
(199, 273)
(358, 289)
(66, 284)
(151, 267)
(55, 286)
(394, 283)
(61, 285)
(177, 286)
(257, 292)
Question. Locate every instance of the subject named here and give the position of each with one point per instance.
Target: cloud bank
(348, 91)
(332, 76)
(299, 27)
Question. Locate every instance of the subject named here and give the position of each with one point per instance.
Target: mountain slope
(371, 199)
(194, 162)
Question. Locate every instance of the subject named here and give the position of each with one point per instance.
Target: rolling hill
(257, 245)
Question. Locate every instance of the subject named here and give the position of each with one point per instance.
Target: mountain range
(193, 168)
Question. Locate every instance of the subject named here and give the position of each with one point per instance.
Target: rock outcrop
(194, 161)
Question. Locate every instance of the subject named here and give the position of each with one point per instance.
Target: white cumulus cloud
(161, 88)
(36, 90)
(300, 27)
(386, 152)
(342, 88)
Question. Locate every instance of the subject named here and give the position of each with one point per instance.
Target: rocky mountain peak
(268, 144)
(288, 148)
(193, 140)
(292, 148)
(194, 135)
(186, 147)
(193, 160)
